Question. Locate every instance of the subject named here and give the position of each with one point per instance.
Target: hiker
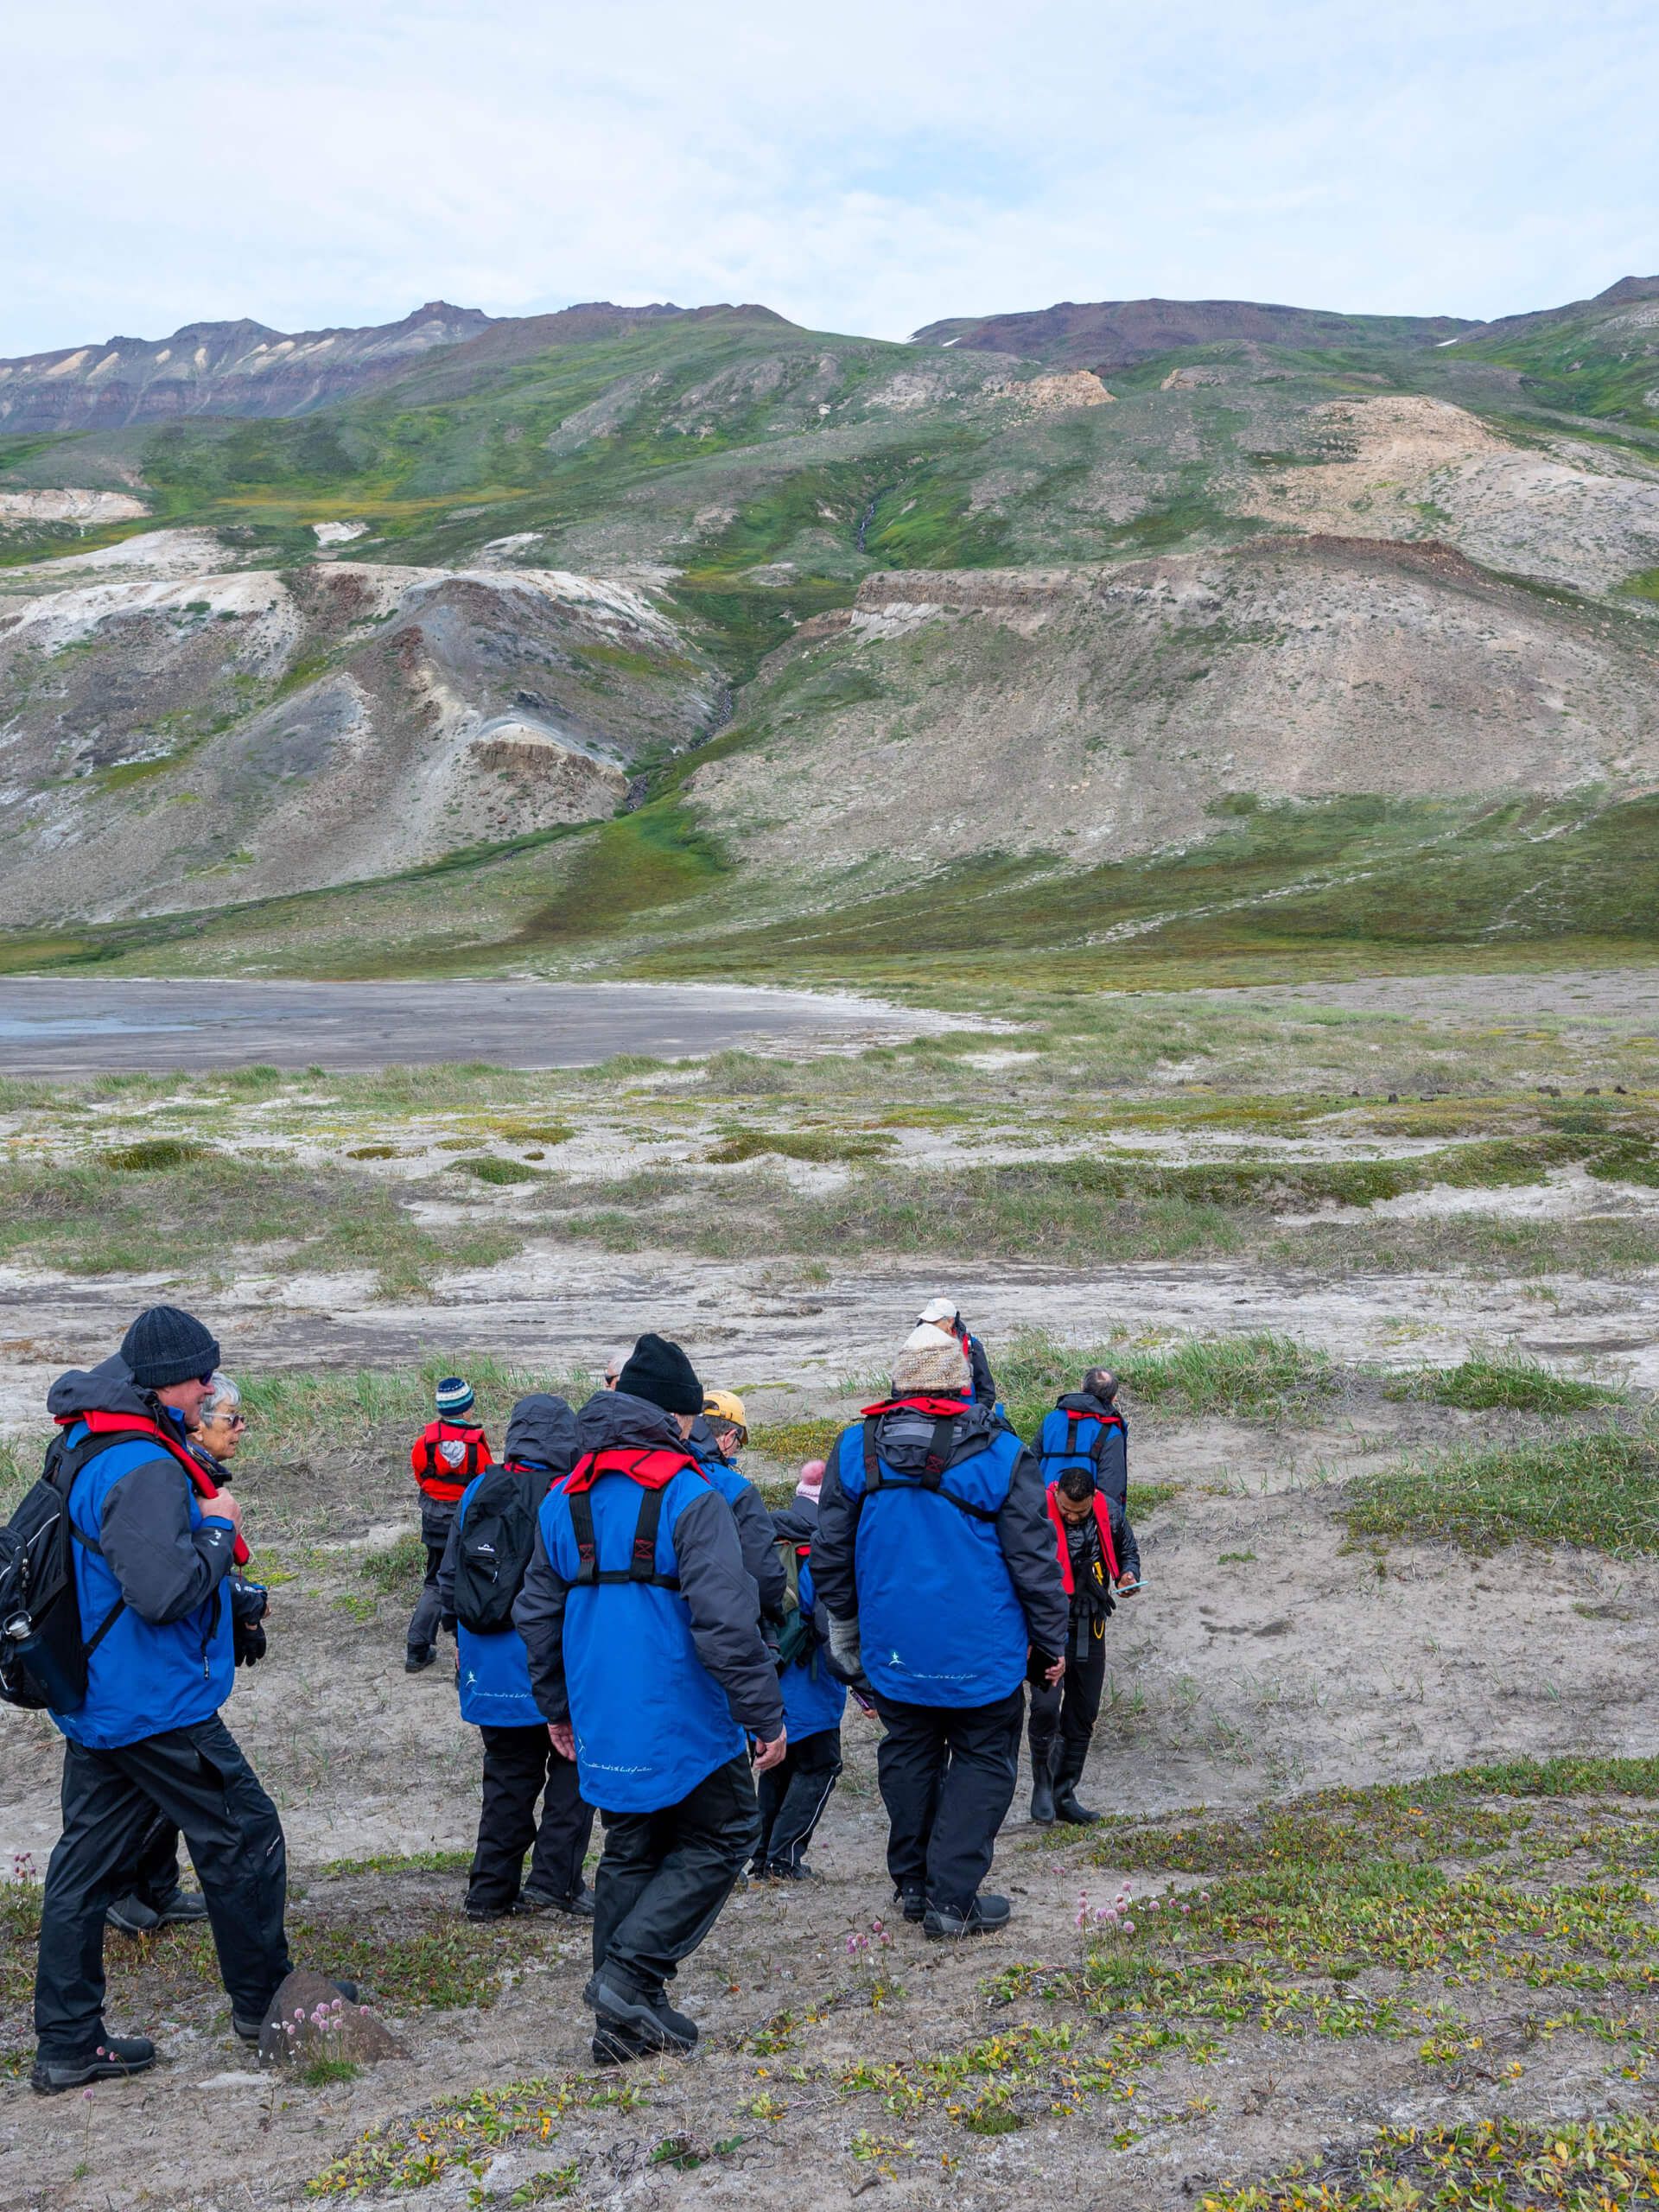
(1083, 1449)
(941, 1313)
(155, 1544)
(793, 1794)
(520, 1760)
(152, 1898)
(936, 1559)
(645, 1658)
(446, 1455)
(718, 1434)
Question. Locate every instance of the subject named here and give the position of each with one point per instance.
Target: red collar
(940, 1409)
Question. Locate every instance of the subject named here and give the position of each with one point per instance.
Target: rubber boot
(1068, 1771)
(1042, 1784)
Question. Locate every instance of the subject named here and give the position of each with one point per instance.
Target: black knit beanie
(660, 1373)
(165, 1345)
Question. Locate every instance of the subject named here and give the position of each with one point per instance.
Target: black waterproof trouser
(520, 1765)
(792, 1795)
(423, 1621)
(662, 1878)
(153, 1876)
(947, 1774)
(1063, 1716)
(198, 1780)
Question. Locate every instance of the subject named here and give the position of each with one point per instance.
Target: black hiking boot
(985, 1916)
(416, 1662)
(132, 1917)
(652, 2022)
(580, 1907)
(112, 2060)
(1067, 1808)
(180, 1908)
(1042, 1798)
(913, 1904)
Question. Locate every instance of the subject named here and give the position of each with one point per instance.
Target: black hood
(616, 1417)
(543, 1429)
(106, 1388)
(795, 1523)
(903, 1438)
(1089, 1407)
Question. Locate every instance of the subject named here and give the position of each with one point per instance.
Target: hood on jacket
(795, 1524)
(611, 1417)
(903, 1437)
(543, 1429)
(1083, 1402)
(106, 1388)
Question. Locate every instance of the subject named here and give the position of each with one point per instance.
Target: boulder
(351, 2031)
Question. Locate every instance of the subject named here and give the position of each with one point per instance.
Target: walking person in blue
(793, 1794)
(936, 1559)
(647, 1661)
(155, 1541)
(484, 1563)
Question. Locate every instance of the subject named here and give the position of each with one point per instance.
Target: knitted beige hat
(931, 1362)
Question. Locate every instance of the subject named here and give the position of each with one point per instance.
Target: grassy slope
(720, 424)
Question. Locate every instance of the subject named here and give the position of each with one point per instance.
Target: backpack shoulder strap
(939, 1451)
(872, 1464)
(1072, 1425)
(642, 1560)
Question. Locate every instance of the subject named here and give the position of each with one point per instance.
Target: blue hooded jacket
(660, 1686)
(948, 1596)
(168, 1660)
(493, 1678)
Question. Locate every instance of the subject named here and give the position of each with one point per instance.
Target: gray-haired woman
(151, 1897)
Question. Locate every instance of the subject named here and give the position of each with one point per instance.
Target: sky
(862, 166)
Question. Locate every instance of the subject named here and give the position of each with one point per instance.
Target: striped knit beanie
(453, 1396)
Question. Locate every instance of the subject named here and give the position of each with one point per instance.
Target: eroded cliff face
(1096, 713)
(173, 738)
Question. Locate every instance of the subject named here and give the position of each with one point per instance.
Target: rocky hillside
(1100, 712)
(854, 608)
(179, 732)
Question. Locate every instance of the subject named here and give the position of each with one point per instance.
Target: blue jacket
(494, 1676)
(760, 1558)
(168, 1660)
(813, 1699)
(661, 1687)
(494, 1673)
(947, 1600)
(1099, 1427)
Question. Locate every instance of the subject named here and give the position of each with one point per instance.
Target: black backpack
(494, 1546)
(43, 1657)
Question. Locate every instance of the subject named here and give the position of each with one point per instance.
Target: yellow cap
(724, 1405)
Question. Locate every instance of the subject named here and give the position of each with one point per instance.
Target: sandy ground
(1232, 1681)
(771, 1332)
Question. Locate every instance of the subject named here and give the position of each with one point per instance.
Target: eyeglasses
(206, 1379)
(234, 1420)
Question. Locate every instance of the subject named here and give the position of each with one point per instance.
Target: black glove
(250, 1602)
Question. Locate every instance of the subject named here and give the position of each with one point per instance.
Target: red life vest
(652, 1466)
(122, 1426)
(446, 1455)
(1103, 1521)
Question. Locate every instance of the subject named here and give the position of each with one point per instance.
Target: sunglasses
(232, 1420)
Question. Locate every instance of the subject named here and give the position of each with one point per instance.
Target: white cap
(939, 1311)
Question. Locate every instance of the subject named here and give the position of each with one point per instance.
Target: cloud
(870, 168)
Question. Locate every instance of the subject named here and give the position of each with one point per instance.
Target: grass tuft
(401, 1567)
(1486, 1381)
(1600, 1490)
